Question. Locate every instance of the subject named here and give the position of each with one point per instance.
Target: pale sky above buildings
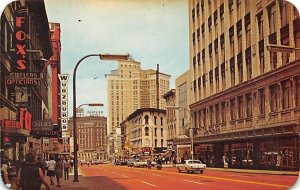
(151, 31)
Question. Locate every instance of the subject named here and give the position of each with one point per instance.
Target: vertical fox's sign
(64, 100)
(21, 41)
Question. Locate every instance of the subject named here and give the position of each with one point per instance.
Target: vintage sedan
(191, 166)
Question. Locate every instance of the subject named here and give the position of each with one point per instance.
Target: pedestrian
(67, 166)
(225, 161)
(278, 160)
(30, 176)
(41, 164)
(58, 171)
(4, 172)
(71, 164)
(174, 161)
(51, 164)
(149, 164)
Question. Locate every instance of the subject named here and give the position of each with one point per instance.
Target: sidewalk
(271, 172)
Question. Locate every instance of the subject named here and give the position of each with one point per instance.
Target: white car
(191, 166)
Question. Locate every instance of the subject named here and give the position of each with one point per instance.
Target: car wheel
(201, 171)
(186, 170)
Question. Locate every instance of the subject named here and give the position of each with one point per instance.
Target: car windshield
(194, 162)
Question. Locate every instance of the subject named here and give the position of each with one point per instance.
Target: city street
(123, 177)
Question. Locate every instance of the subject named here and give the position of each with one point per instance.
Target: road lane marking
(233, 180)
(149, 184)
(194, 182)
(156, 175)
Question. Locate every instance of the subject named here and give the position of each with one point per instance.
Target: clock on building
(21, 94)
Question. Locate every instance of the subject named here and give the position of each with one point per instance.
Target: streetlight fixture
(115, 57)
(191, 128)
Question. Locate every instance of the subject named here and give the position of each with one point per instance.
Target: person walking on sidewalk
(51, 169)
(58, 171)
(225, 161)
(66, 169)
(30, 176)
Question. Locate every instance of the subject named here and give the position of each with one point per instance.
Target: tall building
(245, 92)
(131, 88)
(91, 137)
(24, 81)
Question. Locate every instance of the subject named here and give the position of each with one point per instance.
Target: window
(298, 91)
(217, 113)
(146, 131)
(240, 70)
(284, 13)
(155, 132)
(204, 117)
(211, 115)
(248, 35)
(222, 17)
(232, 71)
(272, 18)
(222, 48)
(239, 9)
(286, 94)
(274, 97)
(241, 107)
(194, 38)
(162, 143)
(155, 120)
(261, 100)
(231, 38)
(232, 109)
(193, 15)
(146, 119)
(262, 61)
(155, 142)
(260, 26)
(162, 132)
(249, 63)
(240, 41)
(223, 76)
(223, 112)
(161, 120)
(249, 105)
(247, 6)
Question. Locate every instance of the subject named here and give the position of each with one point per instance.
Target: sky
(152, 32)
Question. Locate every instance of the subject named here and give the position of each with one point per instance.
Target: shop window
(274, 97)
(286, 94)
(261, 101)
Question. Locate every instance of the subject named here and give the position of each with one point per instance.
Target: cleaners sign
(64, 100)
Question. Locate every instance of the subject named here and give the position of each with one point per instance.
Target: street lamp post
(191, 128)
(102, 57)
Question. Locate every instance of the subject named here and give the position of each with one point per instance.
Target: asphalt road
(127, 178)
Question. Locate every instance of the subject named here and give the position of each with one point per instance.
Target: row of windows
(155, 132)
(276, 97)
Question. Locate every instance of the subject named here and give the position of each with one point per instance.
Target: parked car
(140, 163)
(121, 162)
(191, 166)
(130, 162)
(96, 162)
